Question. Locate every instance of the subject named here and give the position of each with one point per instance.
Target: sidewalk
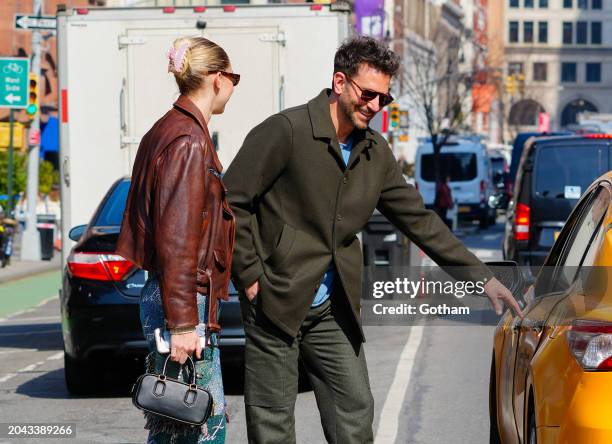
(24, 269)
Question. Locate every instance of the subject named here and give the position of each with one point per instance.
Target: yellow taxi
(551, 370)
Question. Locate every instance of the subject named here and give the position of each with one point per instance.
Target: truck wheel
(78, 375)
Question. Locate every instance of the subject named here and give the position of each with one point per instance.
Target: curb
(34, 269)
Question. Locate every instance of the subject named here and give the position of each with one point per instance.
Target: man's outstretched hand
(498, 294)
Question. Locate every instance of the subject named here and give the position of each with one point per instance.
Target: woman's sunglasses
(367, 95)
(235, 78)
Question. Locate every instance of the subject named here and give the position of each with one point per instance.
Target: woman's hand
(252, 290)
(183, 345)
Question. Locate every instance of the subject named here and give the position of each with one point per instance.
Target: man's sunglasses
(235, 78)
(367, 95)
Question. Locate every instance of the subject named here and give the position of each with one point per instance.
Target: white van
(464, 159)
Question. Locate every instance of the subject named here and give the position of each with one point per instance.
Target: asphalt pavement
(430, 384)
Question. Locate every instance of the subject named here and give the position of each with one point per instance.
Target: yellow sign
(17, 135)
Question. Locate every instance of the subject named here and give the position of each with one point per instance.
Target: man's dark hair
(358, 50)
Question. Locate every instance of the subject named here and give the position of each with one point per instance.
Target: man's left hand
(498, 294)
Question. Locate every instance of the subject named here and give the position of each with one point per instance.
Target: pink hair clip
(176, 56)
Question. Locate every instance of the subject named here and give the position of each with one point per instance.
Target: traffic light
(510, 85)
(33, 99)
(395, 116)
(521, 82)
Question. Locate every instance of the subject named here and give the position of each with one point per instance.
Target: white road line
(31, 367)
(28, 310)
(40, 318)
(389, 415)
(8, 351)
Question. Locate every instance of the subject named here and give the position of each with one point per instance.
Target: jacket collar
(323, 128)
(186, 105)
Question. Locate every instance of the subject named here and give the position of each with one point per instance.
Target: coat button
(345, 180)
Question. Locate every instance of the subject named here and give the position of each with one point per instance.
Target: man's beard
(349, 109)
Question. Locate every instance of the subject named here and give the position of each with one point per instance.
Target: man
(303, 184)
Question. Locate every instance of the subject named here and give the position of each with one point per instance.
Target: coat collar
(186, 105)
(323, 128)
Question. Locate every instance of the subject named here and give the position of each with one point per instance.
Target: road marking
(40, 318)
(32, 367)
(389, 415)
(28, 310)
(6, 351)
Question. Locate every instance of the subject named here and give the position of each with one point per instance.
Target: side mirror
(76, 233)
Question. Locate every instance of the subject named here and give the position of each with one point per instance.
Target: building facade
(558, 60)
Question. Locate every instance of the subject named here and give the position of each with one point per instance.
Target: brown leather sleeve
(179, 194)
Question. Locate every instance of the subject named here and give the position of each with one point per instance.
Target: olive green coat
(298, 207)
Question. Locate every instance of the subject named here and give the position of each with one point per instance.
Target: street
(430, 384)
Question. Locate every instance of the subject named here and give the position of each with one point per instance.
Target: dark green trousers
(332, 353)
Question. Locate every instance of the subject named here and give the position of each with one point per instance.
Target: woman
(179, 227)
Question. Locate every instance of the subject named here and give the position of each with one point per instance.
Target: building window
(540, 72)
(581, 33)
(596, 33)
(543, 4)
(596, 4)
(568, 33)
(528, 3)
(567, 4)
(568, 72)
(514, 3)
(515, 68)
(593, 72)
(583, 4)
(513, 36)
(528, 32)
(543, 32)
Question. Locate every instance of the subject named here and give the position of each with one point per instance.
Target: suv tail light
(99, 266)
(483, 187)
(591, 344)
(521, 222)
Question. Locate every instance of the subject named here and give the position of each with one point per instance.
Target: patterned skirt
(208, 375)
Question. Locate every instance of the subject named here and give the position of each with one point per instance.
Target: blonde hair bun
(201, 56)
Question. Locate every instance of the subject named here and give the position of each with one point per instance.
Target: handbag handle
(193, 373)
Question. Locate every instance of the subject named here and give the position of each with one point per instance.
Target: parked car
(464, 159)
(551, 370)
(552, 175)
(100, 299)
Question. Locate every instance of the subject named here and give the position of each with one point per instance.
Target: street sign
(14, 82)
(35, 22)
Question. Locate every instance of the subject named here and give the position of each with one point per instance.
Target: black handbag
(170, 398)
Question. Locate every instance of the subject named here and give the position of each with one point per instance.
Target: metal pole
(10, 166)
(30, 243)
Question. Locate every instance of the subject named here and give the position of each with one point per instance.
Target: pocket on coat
(283, 246)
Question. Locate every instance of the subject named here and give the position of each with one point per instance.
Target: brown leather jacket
(177, 221)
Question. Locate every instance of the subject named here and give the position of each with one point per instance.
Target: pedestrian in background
(444, 200)
(175, 218)
(302, 186)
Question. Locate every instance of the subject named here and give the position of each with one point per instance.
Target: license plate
(464, 209)
(556, 235)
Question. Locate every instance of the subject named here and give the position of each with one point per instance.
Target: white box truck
(114, 83)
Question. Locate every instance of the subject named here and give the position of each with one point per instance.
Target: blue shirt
(327, 282)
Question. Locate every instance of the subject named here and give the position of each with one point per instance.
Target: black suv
(552, 174)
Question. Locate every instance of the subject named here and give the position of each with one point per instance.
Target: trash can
(46, 228)
(386, 252)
